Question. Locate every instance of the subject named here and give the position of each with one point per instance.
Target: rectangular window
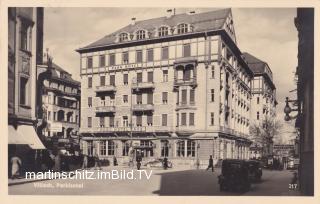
(111, 147)
(89, 62)
(212, 72)
(139, 56)
(125, 79)
(111, 121)
(24, 36)
(164, 97)
(125, 121)
(192, 99)
(125, 57)
(54, 116)
(23, 91)
(139, 77)
(149, 120)
(113, 80)
(186, 50)
(258, 100)
(125, 98)
(212, 95)
(150, 55)
(258, 115)
(191, 148)
(89, 82)
(178, 99)
(89, 122)
(101, 121)
(102, 80)
(191, 119)
(184, 96)
(139, 120)
(103, 148)
(177, 120)
(164, 119)
(183, 119)
(150, 76)
(164, 148)
(139, 98)
(49, 115)
(186, 75)
(89, 101)
(165, 75)
(164, 53)
(76, 119)
(112, 59)
(125, 148)
(102, 60)
(212, 119)
(150, 98)
(90, 148)
(180, 148)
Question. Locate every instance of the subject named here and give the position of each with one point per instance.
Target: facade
(24, 52)
(264, 102)
(174, 87)
(305, 98)
(60, 104)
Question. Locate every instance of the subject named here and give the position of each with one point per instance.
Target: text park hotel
(180, 80)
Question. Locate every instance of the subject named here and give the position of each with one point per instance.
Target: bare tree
(264, 133)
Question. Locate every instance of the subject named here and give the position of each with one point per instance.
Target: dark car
(255, 170)
(234, 175)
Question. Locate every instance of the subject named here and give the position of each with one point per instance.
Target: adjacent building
(24, 52)
(175, 86)
(60, 106)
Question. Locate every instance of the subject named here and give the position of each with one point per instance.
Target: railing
(142, 107)
(185, 105)
(106, 88)
(143, 85)
(180, 82)
(105, 109)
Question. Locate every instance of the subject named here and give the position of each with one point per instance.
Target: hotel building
(61, 104)
(174, 86)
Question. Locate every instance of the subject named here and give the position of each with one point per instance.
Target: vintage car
(255, 170)
(157, 163)
(234, 175)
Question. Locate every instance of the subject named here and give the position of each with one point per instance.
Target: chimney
(171, 12)
(133, 21)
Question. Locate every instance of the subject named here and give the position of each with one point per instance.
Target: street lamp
(287, 110)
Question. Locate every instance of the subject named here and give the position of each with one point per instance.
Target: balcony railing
(185, 82)
(106, 109)
(106, 88)
(184, 105)
(143, 107)
(142, 85)
(135, 129)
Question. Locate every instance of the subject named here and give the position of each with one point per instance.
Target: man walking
(210, 164)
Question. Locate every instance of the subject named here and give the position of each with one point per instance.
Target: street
(162, 182)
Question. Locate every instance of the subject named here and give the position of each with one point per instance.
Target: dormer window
(141, 34)
(182, 28)
(163, 31)
(123, 37)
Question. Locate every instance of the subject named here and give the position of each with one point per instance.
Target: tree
(264, 133)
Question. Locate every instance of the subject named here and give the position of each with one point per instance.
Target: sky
(267, 33)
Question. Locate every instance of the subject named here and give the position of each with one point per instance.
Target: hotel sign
(126, 66)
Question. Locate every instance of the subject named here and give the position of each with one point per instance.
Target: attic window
(163, 31)
(141, 34)
(123, 37)
(182, 28)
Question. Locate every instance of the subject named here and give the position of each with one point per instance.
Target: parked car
(234, 175)
(157, 163)
(255, 170)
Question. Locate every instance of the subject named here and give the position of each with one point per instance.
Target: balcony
(185, 82)
(142, 107)
(142, 85)
(106, 109)
(184, 105)
(106, 88)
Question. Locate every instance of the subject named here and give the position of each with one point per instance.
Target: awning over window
(15, 137)
(30, 136)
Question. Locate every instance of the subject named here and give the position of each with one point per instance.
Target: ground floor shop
(180, 150)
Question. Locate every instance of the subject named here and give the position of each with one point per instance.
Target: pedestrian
(165, 163)
(138, 159)
(210, 164)
(85, 162)
(115, 162)
(15, 167)
(97, 164)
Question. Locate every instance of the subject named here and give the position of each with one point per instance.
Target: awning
(30, 136)
(15, 137)
(69, 98)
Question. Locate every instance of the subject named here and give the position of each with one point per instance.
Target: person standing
(97, 162)
(138, 159)
(15, 167)
(210, 164)
(165, 163)
(85, 162)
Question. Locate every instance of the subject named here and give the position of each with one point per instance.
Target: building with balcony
(25, 30)
(182, 90)
(61, 107)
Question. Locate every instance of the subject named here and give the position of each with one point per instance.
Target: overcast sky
(268, 34)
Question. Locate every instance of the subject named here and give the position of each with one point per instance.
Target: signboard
(55, 127)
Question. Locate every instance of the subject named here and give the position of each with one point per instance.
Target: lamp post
(287, 110)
